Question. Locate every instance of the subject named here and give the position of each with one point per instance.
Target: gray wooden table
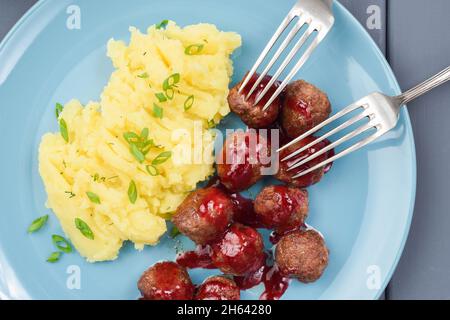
(414, 35)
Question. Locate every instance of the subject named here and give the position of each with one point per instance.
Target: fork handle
(425, 86)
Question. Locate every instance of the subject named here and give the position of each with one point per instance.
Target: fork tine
(338, 115)
(287, 20)
(341, 154)
(283, 66)
(328, 134)
(333, 145)
(278, 53)
(294, 71)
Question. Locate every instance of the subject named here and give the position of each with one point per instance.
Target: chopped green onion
(158, 112)
(137, 154)
(147, 146)
(61, 243)
(144, 134)
(58, 109)
(189, 103)
(54, 257)
(132, 192)
(84, 228)
(96, 177)
(194, 49)
(161, 158)
(162, 25)
(174, 232)
(170, 93)
(161, 97)
(63, 130)
(171, 81)
(152, 170)
(143, 75)
(211, 123)
(140, 145)
(71, 194)
(93, 197)
(38, 224)
(131, 137)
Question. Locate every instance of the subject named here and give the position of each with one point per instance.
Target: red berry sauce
(213, 208)
(198, 258)
(262, 85)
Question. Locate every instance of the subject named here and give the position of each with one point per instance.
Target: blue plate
(363, 206)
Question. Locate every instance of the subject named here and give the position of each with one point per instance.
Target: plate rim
(5, 42)
(408, 123)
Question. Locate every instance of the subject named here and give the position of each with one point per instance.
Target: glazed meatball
(218, 288)
(311, 178)
(282, 208)
(253, 115)
(241, 159)
(240, 251)
(304, 107)
(166, 281)
(204, 215)
(302, 254)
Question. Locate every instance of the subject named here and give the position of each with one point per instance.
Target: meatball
(253, 115)
(240, 251)
(166, 281)
(311, 178)
(241, 160)
(302, 254)
(282, 208)
(204, 215)
(304, 107)
(218, 288)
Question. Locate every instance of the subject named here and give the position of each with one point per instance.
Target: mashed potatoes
(117, 170)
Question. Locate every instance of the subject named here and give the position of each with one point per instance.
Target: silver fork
(382, 112)
(318, 16)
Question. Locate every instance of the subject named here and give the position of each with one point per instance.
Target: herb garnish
(54, 257)
(169, 84)
(161, 158)
(71, 194)
(140, 145)
(189, 103)
(174, 232)
(93, 197)
(194, 49)
(38, 224)
(162, 25)
(171, 81)
(143, 75)
(97, 178)
(84, 228)
(170, 93)
(161, 97)
(152, 170)
(61, 243)
(132, 192)
(158, 112)
(211, 123)
(58, 109)
(63, 129)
